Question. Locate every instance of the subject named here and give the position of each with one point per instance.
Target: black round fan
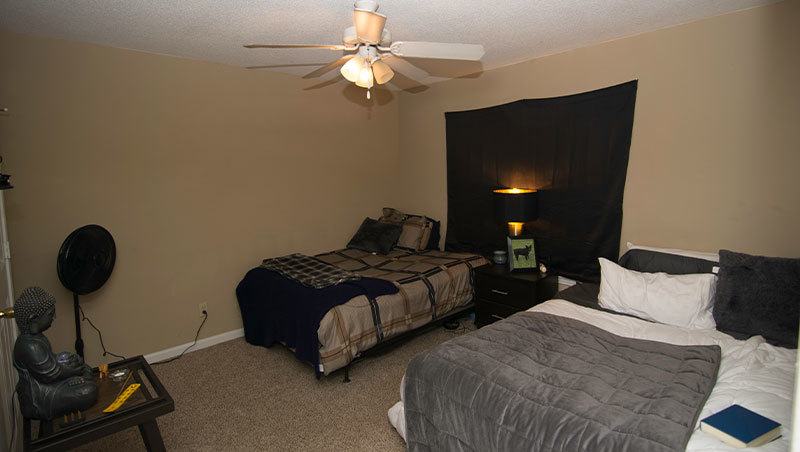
(85, 262)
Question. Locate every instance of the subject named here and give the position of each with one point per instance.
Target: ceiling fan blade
(404, 67)
(329, 82)
(406, 84)
(405, 74)
(329, 67)
(369, 25)
(298, 46)
(439, 50)
(270, 66)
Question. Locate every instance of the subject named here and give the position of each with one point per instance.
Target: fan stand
(78, 339)
(85, 262)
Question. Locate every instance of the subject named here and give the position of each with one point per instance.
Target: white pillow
(681, 300)
(696, 254)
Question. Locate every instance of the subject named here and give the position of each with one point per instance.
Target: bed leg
(346, 374)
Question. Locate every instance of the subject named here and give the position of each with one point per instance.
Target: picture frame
(521, 254)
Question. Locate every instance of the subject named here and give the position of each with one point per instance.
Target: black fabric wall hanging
(573, 149)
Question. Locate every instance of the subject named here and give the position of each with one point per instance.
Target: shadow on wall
(380, 96)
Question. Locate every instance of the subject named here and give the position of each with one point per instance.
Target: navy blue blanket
(277, 309)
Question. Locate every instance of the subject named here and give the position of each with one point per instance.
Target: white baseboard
(230, 335)
(201, 344)
(562, 281)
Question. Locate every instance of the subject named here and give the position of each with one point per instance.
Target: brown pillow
(392, 215)
(416, 232)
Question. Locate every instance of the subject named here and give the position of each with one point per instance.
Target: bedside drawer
(518, 294)
(487, 312)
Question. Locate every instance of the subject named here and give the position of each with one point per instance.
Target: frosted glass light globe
(352, 69)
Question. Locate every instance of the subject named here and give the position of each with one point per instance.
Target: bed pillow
(375, 236)
(714, 257)
(656, 262)
(416, 229)
(416, 234)
(758, 295)
(680, 300)
(390, 215)
(672, 261)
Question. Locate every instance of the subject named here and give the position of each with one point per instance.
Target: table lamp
(515, 206)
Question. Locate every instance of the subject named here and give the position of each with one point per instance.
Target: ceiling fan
(371, 55)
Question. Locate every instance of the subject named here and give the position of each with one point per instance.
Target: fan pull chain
(368, 95)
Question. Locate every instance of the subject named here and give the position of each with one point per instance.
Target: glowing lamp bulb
(365, 79)
(514, 191)
(515, 228)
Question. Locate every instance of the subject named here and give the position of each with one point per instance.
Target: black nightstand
(500, 293)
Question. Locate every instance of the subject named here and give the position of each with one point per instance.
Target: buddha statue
(49, 385)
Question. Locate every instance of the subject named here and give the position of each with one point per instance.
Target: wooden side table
(501, 293)
(149, 402)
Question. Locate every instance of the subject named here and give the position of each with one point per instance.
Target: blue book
(740, 427)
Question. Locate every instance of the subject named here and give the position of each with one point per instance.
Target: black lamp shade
(515, 205)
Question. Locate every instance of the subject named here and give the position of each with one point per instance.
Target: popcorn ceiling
(511, 30)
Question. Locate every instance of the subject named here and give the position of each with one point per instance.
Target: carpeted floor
(235, 396)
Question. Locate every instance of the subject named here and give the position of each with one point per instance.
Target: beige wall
(715, 156)
(199, 170)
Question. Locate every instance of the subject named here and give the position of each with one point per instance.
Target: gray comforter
(541, 382)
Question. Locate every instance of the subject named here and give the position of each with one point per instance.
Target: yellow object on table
(122, 398)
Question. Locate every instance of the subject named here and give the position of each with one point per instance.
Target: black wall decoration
(573, 149)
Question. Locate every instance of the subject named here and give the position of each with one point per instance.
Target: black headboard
(573, 149)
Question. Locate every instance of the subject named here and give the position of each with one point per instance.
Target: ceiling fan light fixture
(382, 72)
(352, 69)
(369, 25)
(371, 56)
(365, 78)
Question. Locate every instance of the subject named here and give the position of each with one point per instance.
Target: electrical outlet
(203, 307)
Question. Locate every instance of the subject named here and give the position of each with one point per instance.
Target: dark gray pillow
(758, 295)
(654, 262)
(375, 236)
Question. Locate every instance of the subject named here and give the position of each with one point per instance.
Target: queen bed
(431, 285)
(378, 296)
(572, 374)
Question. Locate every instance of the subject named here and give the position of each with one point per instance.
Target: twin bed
(570, 374)
(490, 412)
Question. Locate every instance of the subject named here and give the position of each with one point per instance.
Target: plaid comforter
(308, 271)
(431, 284)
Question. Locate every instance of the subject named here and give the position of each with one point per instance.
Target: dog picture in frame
(521, 254)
